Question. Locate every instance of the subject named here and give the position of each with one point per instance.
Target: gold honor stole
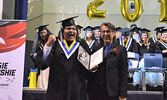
(155, 39)
(90, 43)
(68, 50)
(164, 44)
(128, 43)
(41, 45)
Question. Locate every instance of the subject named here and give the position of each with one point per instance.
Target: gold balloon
(163, 16)
(131, 17)
(92, 11)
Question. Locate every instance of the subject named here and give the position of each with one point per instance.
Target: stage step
(39, 94)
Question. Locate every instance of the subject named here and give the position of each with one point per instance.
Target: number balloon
(163, 14)
(92, 11)
(131, 17)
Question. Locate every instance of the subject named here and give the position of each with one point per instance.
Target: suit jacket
(116, 76)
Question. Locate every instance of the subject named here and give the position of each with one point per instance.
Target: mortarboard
(164, 31)
(125, 31)
(97, 28)
(158, 29)
(67, 22)
(79, 27)
(144, 30)
(118, 28)
(88, 28)
(41, 28)
(136, 29)
(132, 26)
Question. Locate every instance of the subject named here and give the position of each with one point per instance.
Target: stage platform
(39, 94)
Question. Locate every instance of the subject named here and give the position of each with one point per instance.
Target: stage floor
(39, 94)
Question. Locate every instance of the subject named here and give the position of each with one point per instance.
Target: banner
(1, 9)
(12, 53)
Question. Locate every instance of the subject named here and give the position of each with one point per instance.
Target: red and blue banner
(12, 53)
(1, 9)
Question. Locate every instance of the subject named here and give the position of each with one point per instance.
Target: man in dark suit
(110, 80)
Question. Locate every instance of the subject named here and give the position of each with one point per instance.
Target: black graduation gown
(133, 47)
(97, 41)
(152, 45)
(111, 75)
(92, 45)
(158, 49)
(143, 49)
(67, 78)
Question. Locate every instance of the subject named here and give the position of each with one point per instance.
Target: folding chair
(133, 61)
(153, 62)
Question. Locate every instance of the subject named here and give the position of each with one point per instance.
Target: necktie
(105, 51)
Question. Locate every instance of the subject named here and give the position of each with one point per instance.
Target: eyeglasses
(106, 31)
(71, 29)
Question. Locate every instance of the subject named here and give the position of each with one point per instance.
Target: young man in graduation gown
(127, 41)
(158, 34)
(110, 79)
(67, 79)
(40, 40)
(161, 46)
(156, 38)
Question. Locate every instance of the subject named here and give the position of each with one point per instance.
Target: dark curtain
(21, 14)
(21, 9)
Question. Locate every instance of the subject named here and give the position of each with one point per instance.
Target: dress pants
(100, 93)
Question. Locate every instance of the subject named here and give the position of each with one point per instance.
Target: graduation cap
(41, 28)
(158, 29)
(88, 28)
(132, 26)
(97, 28)
(79, 27)
(125, 31)
(144, 30)
(136, 29)
(67, 22)
(164, 31)
(118, 28)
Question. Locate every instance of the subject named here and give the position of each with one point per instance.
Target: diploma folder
(90, 60)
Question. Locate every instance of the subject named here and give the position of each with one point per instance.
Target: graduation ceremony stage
(39, 94)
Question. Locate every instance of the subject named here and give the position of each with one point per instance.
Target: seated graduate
(118, 32)
(67, 77)
(156, 38)
(128, 42)
(158, 35)
(89, 37)
(161, 46)
(41, 38)
(79, 27)
(144, 43)
(136, 33)
(96, 32)
(110, 80)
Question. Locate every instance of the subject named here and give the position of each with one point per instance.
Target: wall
(51, 11)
